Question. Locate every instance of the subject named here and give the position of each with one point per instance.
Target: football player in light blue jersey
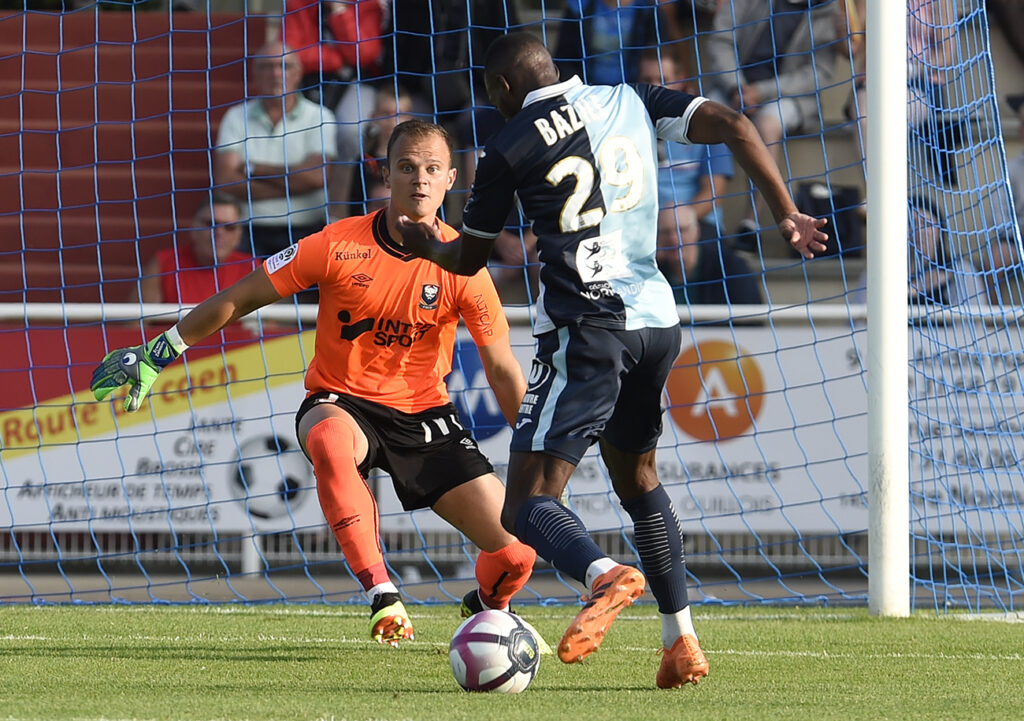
(582, 161)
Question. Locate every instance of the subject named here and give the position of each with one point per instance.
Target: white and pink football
(494, 651)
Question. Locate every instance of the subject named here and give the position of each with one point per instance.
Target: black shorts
(426, 454)
(588, 383)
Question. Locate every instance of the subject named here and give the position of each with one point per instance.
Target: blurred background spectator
(352, 188)
(931, 34)
(680, 21)
(692, 174)
(769, 59)
(432, 55)
(657, 67)
(204, 261)
(1001, 262)
(937, 274)
(853, 44)
(465, 29)
(701, 271)
(1009, 15)
(377, 194)
(350, 41)
(337, 42)
(1016, 164)
(271, 152)
(514, 265)
(601, 40)
(440, 48)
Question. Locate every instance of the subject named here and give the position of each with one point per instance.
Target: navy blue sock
(558, 535)
(658, 538)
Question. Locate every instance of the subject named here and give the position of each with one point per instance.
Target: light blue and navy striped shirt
(582, 161)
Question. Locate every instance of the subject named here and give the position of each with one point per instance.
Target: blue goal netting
(112, 128)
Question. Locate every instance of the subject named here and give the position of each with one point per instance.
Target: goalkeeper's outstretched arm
(237, 301)
(139, 366)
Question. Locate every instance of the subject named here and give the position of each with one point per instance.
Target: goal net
(110, 140)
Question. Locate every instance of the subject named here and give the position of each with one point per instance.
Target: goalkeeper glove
(138, 367)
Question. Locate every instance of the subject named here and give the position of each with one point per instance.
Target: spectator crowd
(307, 145)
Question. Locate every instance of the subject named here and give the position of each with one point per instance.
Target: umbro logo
(467, 442)
(362, 280)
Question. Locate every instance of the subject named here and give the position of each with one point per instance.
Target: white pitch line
(200, 638)
(108, 718)
(342, 611)
(86, 718)
(12, 637)
(1010, 617)
(855, 656)
(749, 617)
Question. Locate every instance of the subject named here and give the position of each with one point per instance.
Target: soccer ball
(494, 651)
(269, 475)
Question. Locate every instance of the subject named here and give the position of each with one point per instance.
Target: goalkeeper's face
(419, 175)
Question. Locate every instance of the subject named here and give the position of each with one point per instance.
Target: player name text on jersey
(566, 120)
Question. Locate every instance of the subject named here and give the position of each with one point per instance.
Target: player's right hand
(137, 367)
(803, 233)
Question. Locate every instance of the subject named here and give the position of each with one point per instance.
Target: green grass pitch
(317, 662)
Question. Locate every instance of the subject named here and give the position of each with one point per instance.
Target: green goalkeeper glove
(138, 367)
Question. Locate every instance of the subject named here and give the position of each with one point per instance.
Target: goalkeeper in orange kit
(376, 394)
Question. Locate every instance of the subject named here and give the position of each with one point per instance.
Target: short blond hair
(420, 129)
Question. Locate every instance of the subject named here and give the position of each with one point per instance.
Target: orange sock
(346, 500)
(503, 572)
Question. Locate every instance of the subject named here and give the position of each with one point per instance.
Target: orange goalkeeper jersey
(386, 325)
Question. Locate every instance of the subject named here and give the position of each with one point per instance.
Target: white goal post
(888, 415)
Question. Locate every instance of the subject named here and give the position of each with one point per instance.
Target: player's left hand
(137, 367)
(803, 233)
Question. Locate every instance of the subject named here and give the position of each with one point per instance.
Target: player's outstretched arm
(464, 255)
(505, 376)
(715, 123)
(138, 367)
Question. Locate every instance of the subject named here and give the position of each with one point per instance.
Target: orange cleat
(683, 663)
(613, 591)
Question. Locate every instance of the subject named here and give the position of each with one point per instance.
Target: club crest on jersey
(428, 296)
(539, 374)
